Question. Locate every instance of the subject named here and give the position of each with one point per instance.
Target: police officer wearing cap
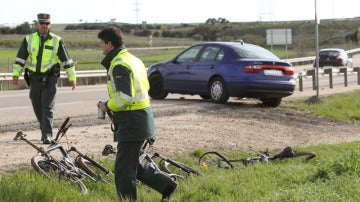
(43, 51)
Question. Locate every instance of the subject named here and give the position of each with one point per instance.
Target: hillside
(332, 33)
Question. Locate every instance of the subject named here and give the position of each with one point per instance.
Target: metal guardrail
(7, 77)
(79, 74)
(310, 59)
(330, 72)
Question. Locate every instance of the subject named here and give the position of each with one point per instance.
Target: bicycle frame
(108, 149)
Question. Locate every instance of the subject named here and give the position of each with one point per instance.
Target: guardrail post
(344, 70)
(311, 73)
(301, 87)
(357, 70)
(330, 72)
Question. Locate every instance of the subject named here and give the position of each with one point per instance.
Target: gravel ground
(184, 125)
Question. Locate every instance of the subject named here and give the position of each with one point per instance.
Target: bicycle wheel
(47, 167)
(309, 155)
(174, 167)
(211, 160)
(44, 166)
(74, 179)
(91, 169)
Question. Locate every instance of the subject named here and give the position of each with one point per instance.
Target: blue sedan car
(219, 70)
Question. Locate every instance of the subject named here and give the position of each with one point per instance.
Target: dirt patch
(183, 126)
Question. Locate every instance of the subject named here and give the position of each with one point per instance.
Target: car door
(176, 77)
(204, 68)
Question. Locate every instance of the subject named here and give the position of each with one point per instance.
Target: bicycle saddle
(288, 152)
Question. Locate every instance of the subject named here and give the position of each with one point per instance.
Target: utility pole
(317, 22)
(137, 11)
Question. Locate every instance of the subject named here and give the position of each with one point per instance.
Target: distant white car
(334, 57)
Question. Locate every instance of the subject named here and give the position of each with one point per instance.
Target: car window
(209, 54)
(254, 52)
(329, 53)
(220, 55)
(189, 55)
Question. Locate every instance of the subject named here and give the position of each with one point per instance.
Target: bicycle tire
(175, 167)
(309, 155)
(211, 160)
(46, 167)
(76, 180)
(90, 168)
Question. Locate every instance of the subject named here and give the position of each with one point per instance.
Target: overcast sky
(171, 11)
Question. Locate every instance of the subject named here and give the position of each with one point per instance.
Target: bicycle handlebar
(63, 128)
(65, 122)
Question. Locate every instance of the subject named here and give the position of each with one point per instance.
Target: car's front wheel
(157, 90)
(271, 102)
(218, 91)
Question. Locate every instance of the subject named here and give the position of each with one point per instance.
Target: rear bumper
(261, 90)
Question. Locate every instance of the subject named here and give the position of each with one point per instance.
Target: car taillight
(252, 68)
(257, 68)
(289, 70)
(339, 59)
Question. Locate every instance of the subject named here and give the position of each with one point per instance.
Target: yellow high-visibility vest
(139, 98)
(49, 56)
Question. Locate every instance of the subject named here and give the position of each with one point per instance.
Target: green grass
(84, 49)
(331, 176)
(342, 106)
(89, 59)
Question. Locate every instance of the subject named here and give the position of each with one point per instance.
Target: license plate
(273, 72)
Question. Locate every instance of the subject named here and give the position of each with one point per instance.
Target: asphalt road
(15, 105)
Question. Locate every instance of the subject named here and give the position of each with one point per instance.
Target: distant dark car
(333, 57)
(219, 70)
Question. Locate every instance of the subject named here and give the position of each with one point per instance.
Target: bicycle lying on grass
(83, 167)
(173, 168)
(176, 170)
(212, 159)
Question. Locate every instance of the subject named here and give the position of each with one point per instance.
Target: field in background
(85, 51)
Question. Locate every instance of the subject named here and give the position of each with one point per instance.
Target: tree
(24, 28)
(213, 21)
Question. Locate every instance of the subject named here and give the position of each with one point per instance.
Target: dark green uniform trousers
(126, 165)
(42, 96)
(128, 170)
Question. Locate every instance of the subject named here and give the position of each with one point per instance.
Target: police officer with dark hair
(43, 51)
(129, 102)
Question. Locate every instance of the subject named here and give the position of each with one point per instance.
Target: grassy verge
(332, 176)
(341, 106)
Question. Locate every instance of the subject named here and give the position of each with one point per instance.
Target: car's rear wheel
(157, 90)
(271, 102)
(218, 91)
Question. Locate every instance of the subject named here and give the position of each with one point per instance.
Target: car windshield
(254, 52)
